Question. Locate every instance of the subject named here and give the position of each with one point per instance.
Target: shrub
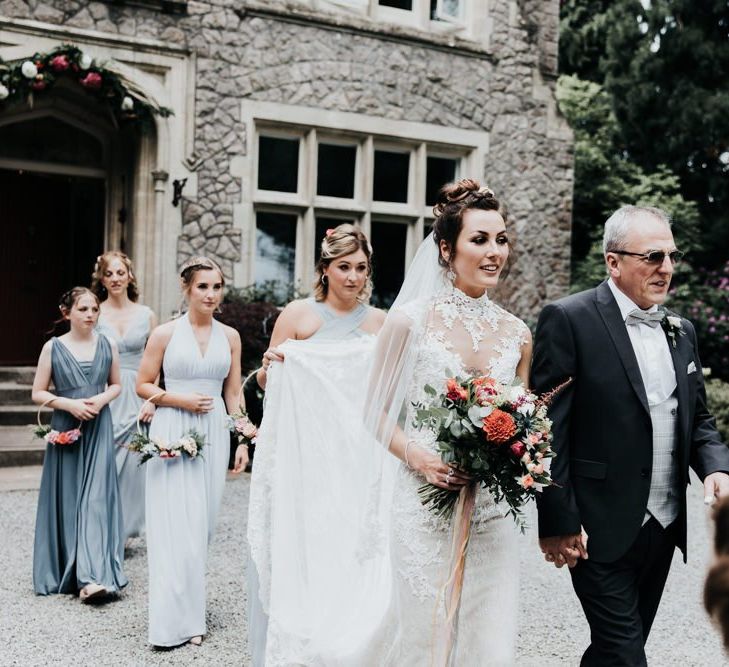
(717, 394)
(253, 311)
(703, 297)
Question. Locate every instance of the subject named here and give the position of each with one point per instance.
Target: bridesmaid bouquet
(244, 429)
(56, 437)
(499, 434)
(189, 445)
(52, 436)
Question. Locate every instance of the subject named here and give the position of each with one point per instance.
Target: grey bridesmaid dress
(78, 528)
(124, 411)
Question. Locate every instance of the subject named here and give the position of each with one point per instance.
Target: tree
(607, 178)
(664, 65)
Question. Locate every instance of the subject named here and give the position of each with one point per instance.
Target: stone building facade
(293, 115)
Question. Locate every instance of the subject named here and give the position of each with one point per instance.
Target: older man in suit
(626, 431)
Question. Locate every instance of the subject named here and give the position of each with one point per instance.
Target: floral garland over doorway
(21, 80)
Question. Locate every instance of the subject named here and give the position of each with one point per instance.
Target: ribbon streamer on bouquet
(445, 628)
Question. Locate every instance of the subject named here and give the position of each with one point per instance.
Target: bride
(442, 324)
(351, 564)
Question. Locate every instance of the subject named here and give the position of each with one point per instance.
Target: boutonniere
(672, 326)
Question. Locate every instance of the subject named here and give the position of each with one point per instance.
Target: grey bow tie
(642, 317)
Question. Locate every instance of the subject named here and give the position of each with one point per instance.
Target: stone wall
(244, 51)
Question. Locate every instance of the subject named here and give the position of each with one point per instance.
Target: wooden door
(51, 230)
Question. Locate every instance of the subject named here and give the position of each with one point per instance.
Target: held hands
(716, 486)
(197, 403)
(435, 471)
(83, 409)
(146, 413)
(241, 459)
(564, 549)
(270, 355)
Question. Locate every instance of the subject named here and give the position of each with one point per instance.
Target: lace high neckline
(474, 313)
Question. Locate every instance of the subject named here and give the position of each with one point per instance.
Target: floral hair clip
(329, 232)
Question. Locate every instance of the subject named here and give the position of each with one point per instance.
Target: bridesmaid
(127, 323)
(78, 530)
(338, 310)
(201, 360)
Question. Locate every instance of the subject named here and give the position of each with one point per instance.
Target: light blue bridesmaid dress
(124, 411)
(183, 495)
(334, 327)
(78, 527)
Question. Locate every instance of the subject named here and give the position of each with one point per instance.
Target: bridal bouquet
(499, 434)
(189, 445)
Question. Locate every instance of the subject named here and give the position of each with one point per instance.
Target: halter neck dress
(124, 411)
(78, 529)
(183, 495)
(334, 328)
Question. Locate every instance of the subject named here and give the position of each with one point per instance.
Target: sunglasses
(655, 257)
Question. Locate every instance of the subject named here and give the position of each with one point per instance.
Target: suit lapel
(610, 313)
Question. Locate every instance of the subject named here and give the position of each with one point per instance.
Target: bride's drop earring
(451, 274)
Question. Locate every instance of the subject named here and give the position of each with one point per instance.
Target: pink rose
(527, 481)
(60, 63)
(518, 449)
(92, 81)
(538, 469)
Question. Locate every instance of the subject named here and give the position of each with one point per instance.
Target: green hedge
(717, 393)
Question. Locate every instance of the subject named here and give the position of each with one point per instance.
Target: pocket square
(691, 368)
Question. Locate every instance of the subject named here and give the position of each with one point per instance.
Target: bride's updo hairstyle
(716, 588)
(342, 240)
(102, 264)
(453, 200)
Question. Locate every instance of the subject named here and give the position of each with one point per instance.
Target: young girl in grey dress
(78, 533)
(126, 322)
(201, 362)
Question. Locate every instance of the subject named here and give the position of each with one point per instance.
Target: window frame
(419, 17)
(311, 126)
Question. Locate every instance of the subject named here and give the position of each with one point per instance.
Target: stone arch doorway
(67, 178)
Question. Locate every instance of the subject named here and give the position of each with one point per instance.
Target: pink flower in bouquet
(527, 458)
(499, 426)
(518, 449)
(246, 428)
(454, 391)
(169, 453)
(527, 481)
(92, 81)
(538, 469)
(534, 438)
(39, 84)
(51, 437)
(60, 63)
(74, 435)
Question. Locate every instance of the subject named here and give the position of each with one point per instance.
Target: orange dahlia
(499, 426)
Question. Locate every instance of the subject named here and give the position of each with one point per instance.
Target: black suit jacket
(602, 428)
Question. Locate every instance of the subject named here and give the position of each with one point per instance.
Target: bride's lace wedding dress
(462, 336)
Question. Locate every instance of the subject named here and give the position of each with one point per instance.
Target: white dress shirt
(651, 350)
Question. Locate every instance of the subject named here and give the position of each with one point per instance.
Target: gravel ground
(59, 630)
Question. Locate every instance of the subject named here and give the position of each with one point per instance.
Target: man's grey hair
(625, 218)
